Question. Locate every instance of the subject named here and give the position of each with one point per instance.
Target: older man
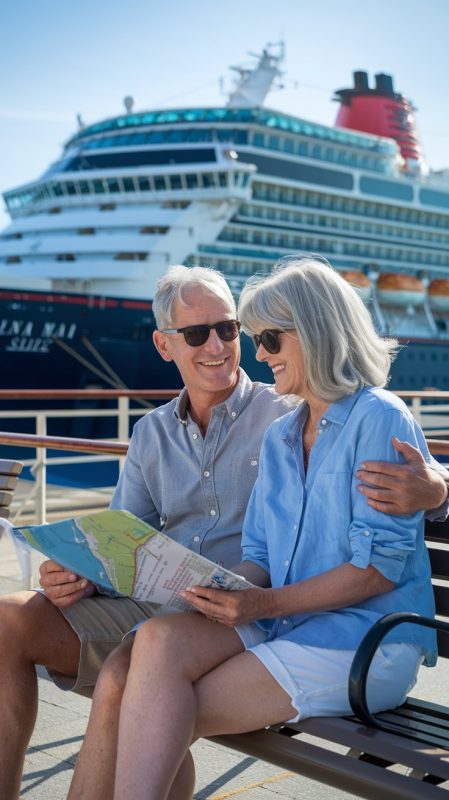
(190, 470)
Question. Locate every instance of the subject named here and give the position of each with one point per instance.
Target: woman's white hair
(342, 351)
(173, 283)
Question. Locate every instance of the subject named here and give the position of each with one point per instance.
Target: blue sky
(58, 59)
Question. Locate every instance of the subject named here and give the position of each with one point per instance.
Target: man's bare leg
(95, 765)
(32, 631)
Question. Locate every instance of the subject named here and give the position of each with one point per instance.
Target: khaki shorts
(100, 624)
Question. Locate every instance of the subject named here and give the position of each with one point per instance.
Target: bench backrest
(9, 475)
(437, 539)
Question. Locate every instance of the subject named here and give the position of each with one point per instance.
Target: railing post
(40, 473)
(123, 424)
(416, 410)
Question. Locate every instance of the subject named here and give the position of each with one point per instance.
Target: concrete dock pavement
(222, 774)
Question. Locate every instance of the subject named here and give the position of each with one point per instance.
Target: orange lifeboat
(439, 294)
(400, 290)
(359, 281)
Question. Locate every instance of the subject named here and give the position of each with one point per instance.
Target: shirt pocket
(329, 507)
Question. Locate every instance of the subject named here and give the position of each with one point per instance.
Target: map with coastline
(124, 556)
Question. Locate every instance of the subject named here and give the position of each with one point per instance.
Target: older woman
(324, 565)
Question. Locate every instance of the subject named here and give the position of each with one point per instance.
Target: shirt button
(195, 436)
(324, 421)
(233, 414)
(285, 621)
(196, 538)
(320, 431)
(254, 462)
(212, 512)
(366, 533)
(206, 473)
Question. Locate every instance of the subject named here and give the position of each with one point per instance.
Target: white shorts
(316, 678)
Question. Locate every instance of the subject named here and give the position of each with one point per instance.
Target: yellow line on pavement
(274, 778)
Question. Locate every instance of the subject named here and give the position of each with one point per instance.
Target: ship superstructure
(235, 188)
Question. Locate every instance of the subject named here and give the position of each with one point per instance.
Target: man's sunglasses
(269, 339)
(196, 335)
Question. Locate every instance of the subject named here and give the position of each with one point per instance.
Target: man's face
(212, 368)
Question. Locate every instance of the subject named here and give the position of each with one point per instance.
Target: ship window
(86, 231)
(156, 137)
(429, 197)
(107, 207)
(258, 139)
(274, 142)
(66, 257)
(208, 180)
(84, 187)
(222, 178)
(159, 184)
(112, 185)
(192, 181)
(128, 185)
(54, 210)
(13, 260)
(383, 188)
(70, 188)
(98, 187)
(144, 184)
(175, 182)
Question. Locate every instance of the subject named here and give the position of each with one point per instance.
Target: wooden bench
(402, 753)
(9, 475)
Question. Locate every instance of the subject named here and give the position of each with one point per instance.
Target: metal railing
(431, 409)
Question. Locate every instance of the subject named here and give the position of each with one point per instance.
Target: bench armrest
(365, 653)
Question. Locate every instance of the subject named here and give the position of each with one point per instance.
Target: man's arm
(404, 488)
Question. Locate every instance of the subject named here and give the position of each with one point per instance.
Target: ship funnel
(383, 112)
(384, 84)
(361, 81)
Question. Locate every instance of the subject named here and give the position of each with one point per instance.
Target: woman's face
(288, 365)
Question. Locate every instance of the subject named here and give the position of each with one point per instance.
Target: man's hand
(61, 586)
(402, 488)
(230, 608)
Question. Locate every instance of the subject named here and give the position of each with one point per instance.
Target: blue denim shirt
(299, 525)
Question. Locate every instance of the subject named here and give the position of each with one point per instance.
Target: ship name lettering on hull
(26, 336)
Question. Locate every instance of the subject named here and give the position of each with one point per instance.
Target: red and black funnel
(380, 111)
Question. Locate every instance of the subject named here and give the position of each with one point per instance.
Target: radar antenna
(253, 83)
(128, 102)
(80, 122)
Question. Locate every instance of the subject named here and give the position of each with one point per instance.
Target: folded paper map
(123, 555)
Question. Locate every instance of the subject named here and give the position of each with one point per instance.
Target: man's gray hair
(342, 351)
(172, 284)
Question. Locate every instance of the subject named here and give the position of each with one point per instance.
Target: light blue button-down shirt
(299, 525)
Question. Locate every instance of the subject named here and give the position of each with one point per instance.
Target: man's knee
(31, 627)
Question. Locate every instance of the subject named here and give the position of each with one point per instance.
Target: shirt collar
(337, 412)
(234, 404)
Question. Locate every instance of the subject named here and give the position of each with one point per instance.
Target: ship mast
(253, 83)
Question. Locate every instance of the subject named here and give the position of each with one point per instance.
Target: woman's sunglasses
(196, 335)
(269, 339)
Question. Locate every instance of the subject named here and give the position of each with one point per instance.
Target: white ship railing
(431, 409)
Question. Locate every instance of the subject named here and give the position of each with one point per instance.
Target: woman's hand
(230, 608)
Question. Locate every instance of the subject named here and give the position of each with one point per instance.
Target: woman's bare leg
(161, 704)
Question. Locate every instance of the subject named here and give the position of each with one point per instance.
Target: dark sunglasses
(196, 335)
(269, 339)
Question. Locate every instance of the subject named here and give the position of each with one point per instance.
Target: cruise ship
(234, 187)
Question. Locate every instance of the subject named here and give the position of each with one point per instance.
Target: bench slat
(341, 771)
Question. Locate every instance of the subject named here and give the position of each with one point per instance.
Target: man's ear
(160, 344)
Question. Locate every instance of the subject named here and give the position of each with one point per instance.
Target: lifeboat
(400, 290)
(439, 294)
(359, 281)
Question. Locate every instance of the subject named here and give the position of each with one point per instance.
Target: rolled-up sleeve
(382, 540)
(132, 492)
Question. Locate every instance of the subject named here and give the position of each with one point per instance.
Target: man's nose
(214, 344)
